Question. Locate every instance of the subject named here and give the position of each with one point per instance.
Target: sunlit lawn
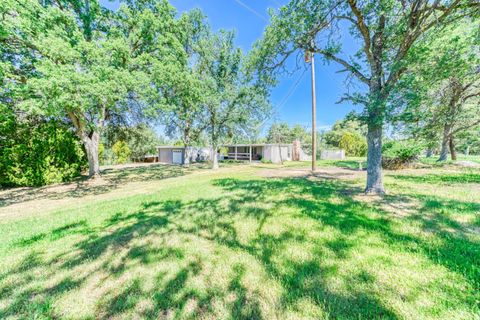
(242, 244)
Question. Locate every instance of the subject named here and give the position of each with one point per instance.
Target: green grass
(432, 161)
(235, 244)
(349, 163)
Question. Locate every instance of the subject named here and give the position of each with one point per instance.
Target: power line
(252, 10)
(290, 91)
(277, 3)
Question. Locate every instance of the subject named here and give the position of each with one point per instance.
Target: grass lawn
(245, 242)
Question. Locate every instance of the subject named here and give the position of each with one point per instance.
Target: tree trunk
(214, 158)
(186, 144)
(90, 141)
(445, 141)
(91, 147)
(453, 152)
(188, 154)
(374, 161)
(376, 113)
(429, 153)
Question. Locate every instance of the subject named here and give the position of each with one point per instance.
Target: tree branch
(417, 18)
(363, 28)
(348, 97)
(347, 65)
(466, 127)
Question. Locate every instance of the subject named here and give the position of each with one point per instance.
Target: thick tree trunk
(453, 152)
(214, 158)
(187, 144)
(374, 161)
(188, 153)
(91, 147)
(445, 141)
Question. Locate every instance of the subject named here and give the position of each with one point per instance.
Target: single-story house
(275, 153)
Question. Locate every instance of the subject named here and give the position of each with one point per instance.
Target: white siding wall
(277, 154)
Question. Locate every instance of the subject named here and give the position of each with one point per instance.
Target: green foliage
(89, 63)
(400, 154)
(440, 100)
(234, 103)
(349, 135)
(468, 141)
(141, 139)
(37, 153)
(185, 93)
(353, 144)
(121, 152)
(283, 133)
(101, 153)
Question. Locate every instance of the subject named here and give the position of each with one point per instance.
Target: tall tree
(279, 133)
(387, 30)
(183, 90)
(92, 63)
(233, 100)
(442, 94)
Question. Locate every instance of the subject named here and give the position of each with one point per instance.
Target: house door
(177, 157)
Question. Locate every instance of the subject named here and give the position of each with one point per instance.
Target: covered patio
(250, 152)
(276, 153)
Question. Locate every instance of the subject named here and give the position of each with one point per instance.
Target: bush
(400, 154)
(101, 153)
(37, 153)
(121, 152)
(353, 144)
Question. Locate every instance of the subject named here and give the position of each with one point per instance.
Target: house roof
(259, 145)
(170, 147)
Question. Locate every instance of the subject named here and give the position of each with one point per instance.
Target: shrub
(101, 153)
(400, 154)
(38, 153)
(353, 144)
(121, 152)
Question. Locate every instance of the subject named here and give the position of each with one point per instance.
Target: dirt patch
(467, 164)
(116, 182)
(321, 173)
(398, 206)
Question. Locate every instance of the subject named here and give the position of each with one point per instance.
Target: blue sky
(249, 18)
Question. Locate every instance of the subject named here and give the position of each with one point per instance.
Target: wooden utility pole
(310, 58)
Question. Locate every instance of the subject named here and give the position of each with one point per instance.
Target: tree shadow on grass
(327, 205)
(451, 243)
(111, 179)
(80, 227)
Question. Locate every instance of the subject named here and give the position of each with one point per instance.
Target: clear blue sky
(249, 18)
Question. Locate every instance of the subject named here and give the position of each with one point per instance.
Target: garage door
(177, 157)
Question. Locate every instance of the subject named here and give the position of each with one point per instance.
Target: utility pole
(310, 58)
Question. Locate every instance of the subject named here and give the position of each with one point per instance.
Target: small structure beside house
(171, 154)
(182, 155)
(332, 154)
